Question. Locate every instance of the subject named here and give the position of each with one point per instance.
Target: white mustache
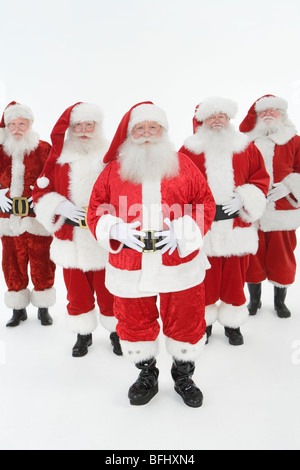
(268, 117)
(82, 134)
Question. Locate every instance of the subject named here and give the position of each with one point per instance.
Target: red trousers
(81, 289)
(26, 249)
(225, 280)
(182, 314)
(275, 259)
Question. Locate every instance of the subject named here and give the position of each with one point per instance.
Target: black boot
(182, 372)
(208, 332)
(146, 385)
(255, 298)
(279, 305)
(80, 348)
(44, 316)
(234, 335)
(17, 317)
(115, 341)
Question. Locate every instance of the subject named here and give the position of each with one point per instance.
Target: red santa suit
(230, 165)
(280, 149)
(136, 279)
(23, 238)
(69, 175)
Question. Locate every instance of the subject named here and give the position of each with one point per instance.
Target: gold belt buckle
(18, 206)
(83, 223)
(151, 238)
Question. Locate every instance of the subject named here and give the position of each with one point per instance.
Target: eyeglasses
(151, 129)
(86, 125)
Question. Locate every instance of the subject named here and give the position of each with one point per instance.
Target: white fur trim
(82, 252)
(188, 235)
(42, 182)
(15, 225)
(17, 111)
(223, 240)
(103, 229)
(268, 102)
(215, 105)
(109, 323)
(86, 112)
(45, 298)
(155, 277)
(254, 202)
(273, 220)
(140, 350)
(185, 351)
(45, 210)
(211, 314)
(17, 300)
(292, 181)
(148, 112)
(83, 324)
(232, 316)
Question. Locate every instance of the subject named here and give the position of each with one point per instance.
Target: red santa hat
(265, 102)
(213, 105)
(15, 110)
(145, 111)
(78, 112)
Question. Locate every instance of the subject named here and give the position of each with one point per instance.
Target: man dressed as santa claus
(236, 174)
(150, 209)
(268, 126)
(24, 240)
(61, 197)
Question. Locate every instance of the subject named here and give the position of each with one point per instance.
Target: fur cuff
(185, 351)
(188, 235)
(109, 323)
(254, 202)
(45, 211)
(45, 298)
(17, 300)
(83, 324)
(140, 350)
(232, 316)
(102, 232)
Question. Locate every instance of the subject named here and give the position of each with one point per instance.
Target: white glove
(169, 242)
(5, 202)
(278, 191)
(234, 205)
(126, 234)
(70, 211)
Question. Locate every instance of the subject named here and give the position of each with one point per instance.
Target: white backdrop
(173, 53)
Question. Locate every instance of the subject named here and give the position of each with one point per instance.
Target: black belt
(221, 215)
(150, 241)
(81, 223)
(20, 207)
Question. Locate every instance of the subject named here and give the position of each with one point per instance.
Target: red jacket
(240, 169)
(185, 199)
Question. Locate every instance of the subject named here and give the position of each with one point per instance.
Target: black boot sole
(137, 401)
(17, 323)
(253, 310)
(188, 403)
(82, 352)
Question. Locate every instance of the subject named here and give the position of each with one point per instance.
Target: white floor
(50, 400)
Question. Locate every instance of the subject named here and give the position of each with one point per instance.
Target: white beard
(94, 144)
(20, 147)
(264, 129)
(154, 161)
(222, 140)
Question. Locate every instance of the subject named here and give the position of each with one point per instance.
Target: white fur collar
(284, 133)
